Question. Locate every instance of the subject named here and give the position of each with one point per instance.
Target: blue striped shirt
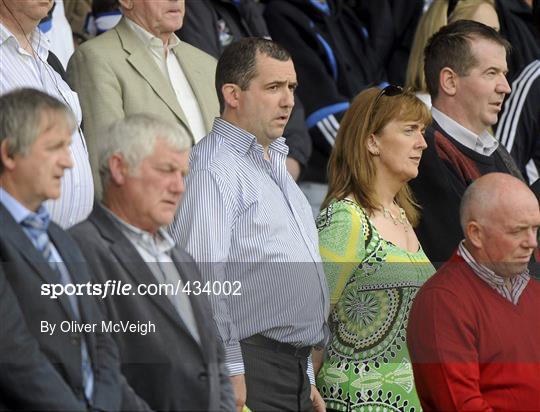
(243, 218)
(20, 69)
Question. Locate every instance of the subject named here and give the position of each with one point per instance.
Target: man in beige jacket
(142, 66)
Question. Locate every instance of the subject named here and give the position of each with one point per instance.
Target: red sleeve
(441, 337)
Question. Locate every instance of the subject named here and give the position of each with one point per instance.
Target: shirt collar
(243, 141)
(160, 243)
(484, 143)
(39, 41)
(18, 211)
(149, 39)
(482, 271)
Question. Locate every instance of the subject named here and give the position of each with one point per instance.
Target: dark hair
(104, 6)
(451, 47)
(237, 64)
(22, 113)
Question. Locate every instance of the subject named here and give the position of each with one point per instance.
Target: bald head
(500, 217)
(494, 192)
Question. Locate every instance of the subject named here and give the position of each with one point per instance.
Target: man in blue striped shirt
(245, 221)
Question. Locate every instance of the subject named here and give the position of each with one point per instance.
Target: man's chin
(53, 194)
(166, 217)
(277, 134)
(518, 268)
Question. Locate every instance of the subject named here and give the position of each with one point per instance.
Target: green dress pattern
(372, 285)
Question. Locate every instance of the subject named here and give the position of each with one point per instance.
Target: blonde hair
(351, 168)
(429, 24)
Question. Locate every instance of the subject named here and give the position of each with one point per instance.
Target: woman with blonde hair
(372, 258)
(439, 14)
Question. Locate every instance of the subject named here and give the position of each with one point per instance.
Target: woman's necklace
(400, 219)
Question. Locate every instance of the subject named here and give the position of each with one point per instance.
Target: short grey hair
(465, 206)
(474, 204)
(134, 138)
(22, 112)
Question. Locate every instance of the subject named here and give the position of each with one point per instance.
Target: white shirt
(425, 97)
(155, 250)
(60, 35)
(172, 70)
(484, 143)
(19, 69)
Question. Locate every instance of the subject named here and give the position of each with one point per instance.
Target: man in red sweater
(474, 328)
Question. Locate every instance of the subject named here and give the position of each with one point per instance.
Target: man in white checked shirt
(23, 63)
(245, 220)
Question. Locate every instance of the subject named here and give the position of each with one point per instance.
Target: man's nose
(288, 98)
(66, 160)
(177, 184)
(503, 86)
(532, 239)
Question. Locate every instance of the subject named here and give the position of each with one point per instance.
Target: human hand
(239, 385)
(317, 400)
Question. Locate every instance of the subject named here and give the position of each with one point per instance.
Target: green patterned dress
(372, 285)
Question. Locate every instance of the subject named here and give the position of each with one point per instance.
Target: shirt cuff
(310, 373)
(234, 360)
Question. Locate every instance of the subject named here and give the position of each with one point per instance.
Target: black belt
(280, 347)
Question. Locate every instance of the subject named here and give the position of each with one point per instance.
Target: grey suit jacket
(27, 270)
(115, 76)
(28, 381)
(168, 368)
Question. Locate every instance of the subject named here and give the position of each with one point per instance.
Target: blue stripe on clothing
(328, 51)
(321, 5)
(324, 112)
(45, 26)
(330, 55)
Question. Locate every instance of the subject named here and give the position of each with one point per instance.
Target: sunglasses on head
(389, 91)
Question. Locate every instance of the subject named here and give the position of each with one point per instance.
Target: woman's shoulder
(343, 219)
(341, 211)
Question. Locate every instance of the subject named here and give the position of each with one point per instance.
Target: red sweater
(473, 350)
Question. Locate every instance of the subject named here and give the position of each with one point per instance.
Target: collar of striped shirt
(40, 43)
(517, 283)
(243, 141)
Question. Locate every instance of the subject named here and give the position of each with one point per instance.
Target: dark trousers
(275, 381)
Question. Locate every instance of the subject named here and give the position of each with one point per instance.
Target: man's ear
(448, 80)
(126, 4)
(231, 94)
(118, 169)
(7, 160)
(474, 233)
